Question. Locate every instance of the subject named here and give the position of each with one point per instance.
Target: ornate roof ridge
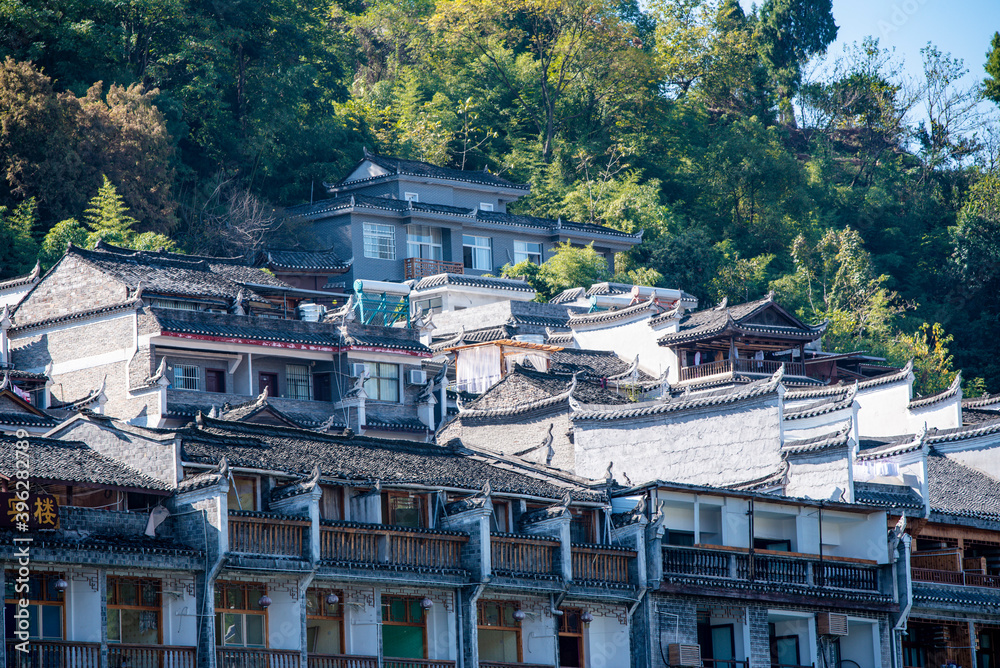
(16, 281)
(953, 389)
(610, 316)
(978, 402)
(824, 406)
(821, 442)
(888, 378)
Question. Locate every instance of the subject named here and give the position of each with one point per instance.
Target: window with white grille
(186, 377)
(383, 384)
(380, 241)
(297, 381)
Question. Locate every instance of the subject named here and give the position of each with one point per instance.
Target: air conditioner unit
(418, 377)
(358, 370)
(683, 655)
(831, 624)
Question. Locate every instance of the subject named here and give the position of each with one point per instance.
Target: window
(581, 527)
(322, 387)
(174, 304)
(571, 639)
(331, 504)
(499, 633)
(243, 493)
(404, 628)
(383, 385)
(324, 622)
(186, 377)
(411, 197)
(683, 538)
(297, 381)
(478, 252)
(239, 620)
(404, 510)
(771, 544)
(485, 206)
(424, 242)
(380, 241)
(527, 250)
(432, 305)
(501, 517)
(133, 611)
(45, 605)
(215, 380)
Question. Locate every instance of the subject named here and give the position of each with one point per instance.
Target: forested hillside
(856, 195)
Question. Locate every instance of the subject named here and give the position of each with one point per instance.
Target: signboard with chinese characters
(42, 511)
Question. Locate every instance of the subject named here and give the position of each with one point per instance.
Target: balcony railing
(256, 533)
(417, 663)
(232, 657)
(415, 267)
(724, 663)
(150, 656)
(601, 563)
(54, 654)
(511, 664)
(519, 555)
(959, 578)
(377, 544)
(741, 365)
(735, 564)
(341, 661)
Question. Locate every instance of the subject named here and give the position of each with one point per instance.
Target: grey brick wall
(157, 459)
(71, 286)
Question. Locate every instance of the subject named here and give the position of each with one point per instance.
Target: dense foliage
(857, 196)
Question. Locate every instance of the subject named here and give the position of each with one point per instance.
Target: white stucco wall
(83, 607)
(882, 410)
(361, 623)
(945, 414)
(180, 620)
(606, 640)
(284, 620)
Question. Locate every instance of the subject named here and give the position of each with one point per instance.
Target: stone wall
(73, 285)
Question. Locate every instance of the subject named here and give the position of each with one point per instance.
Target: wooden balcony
(958, 578)
(415, 267)
(341, 661)
(417, 663)
(150, 656)
(770, 566)
(351, 542)
(950, 566)
(272, 535)
(511, 664)
(523, 556)
(55, 654)
(232, 657)
(601, 563)
(723, 367)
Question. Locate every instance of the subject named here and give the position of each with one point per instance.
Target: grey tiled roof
(950, 392)
(386, 423)
(928, 595)
(877, 448)
(822, 442)
(982, 402)
(469, 280)
(418, 168)
(523, 388)
(363, 459)
(978, 416)
(365, 340)
(886, 496)
(648, 306)
(823, 406)
(956, 489)
(73, 461)
(305, 259)
(964, 432)
(12, 419)
(18, 281)
(718, 319)
(105, 541)
(593, 364)
(247, 328)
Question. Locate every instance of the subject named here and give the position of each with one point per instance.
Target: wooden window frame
(516, 629)
(423, 621)
(11, 576)
(115, 581)
(387, 510)
(256, 491)
(323, 592)
(224, 585)
(564, 632)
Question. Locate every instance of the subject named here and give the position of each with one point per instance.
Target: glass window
(499, 633)
(186, 377)
(239, 620)
(243, 493)
(297, 381)
(133, 611)
(45, 605)
(380, 241)
(324, 622)
(432, 305)
(411, 197)
(404, 632)
(527, 250)
(424, 242)
(485, 206)
(383, 385)
(478, 252)
(402, 509)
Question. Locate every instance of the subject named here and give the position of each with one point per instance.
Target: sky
(963, 28)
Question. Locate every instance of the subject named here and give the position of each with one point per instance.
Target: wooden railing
(601, 562)
(417, 663)
(415, 267)
(341, 661)
(938, 560)
(517, 554)
(150, 656)
(734, 564)
(957, 578)
(232, 657)
(376, 544)
(741, 365)
(256, 534)
(54, 654)
(511, 664)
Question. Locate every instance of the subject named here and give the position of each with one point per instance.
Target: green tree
(991, 85)
(17, 247)
(976, 238)
(63, 233)
(569, 267)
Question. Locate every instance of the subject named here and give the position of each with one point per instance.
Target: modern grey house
(402, 219)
